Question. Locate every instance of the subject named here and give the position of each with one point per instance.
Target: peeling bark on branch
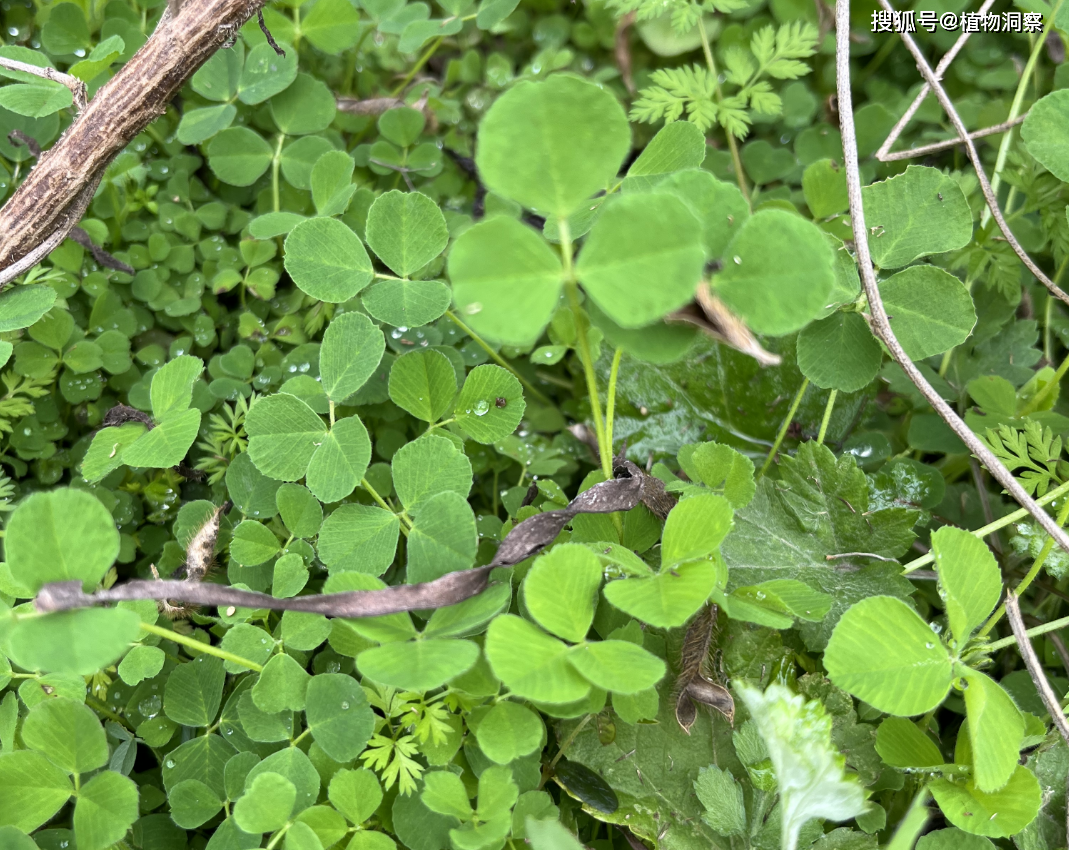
(40, 211)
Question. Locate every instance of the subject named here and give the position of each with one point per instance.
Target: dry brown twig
(1035, 669)
(54, 195)
(879, 321)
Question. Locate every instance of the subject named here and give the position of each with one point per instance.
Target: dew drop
(481, 407)
(345, 706)
(169, 764)
(231, 611)
(150, 706)
(929, 645)
(473, 308)
(738, 260)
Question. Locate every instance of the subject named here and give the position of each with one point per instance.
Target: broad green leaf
(406, 230)
(810, 776)
(778, 272)
(493, 12)
(407, 303)
(34, 789)
(284, 433)
(798, 598)
(508, 732)
(550, 835)
(668, 599)
(920, 212)
(251, 490)
(443, 538)
(21, 306)
(203, 758)
(561, 590)
(420, 665)
(217, 79)
(60, 535)
(719, 466)
(506, 280)
(824, 185)
(1044, 133)
(106, 808)
(996, 729)
(82, 642)
(35, 100)
(661, 342)
(194, 691)
(719, 206)
(695, 529)
(266, 804)
(199, 125)
(282, 686)
(266, 73)
(617, 665)
(300, 510)
(722, 798)
(327, 260)
(839, 353)
(303, 630)
(355, 793)
(99, 59)
(166, 444)
(338, 714)
(340, 461)
(193, 803)
(68, 733)
(490, 405)
(638, 238)
(997, 815)
(970, 581)
(332, 182)
(140, 663)
(239, 156)
(931, 311)
(333, 25)
(471, 615)
(361, 538)
(428, 466)
(901, 744)
(882, 652)
(677, 145)
(253, 543)
(424, 383)
(402, 125)
(532, 664)
(351, 351)
(306, 106)
(551, 145)
(444, 793)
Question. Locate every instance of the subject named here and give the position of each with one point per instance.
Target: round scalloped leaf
(551, 145)
(418, 665)
(490, 404)
(284, 433)
(351, 352)
(931, 311)
(1045, 133)
(327, 260)
(999, 814)
(21, 306)
(839, 353)
(406, 230)
(407, 303)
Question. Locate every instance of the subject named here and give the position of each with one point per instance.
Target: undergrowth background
(382, 335)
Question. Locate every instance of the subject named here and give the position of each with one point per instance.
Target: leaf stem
(783, 428)
(100, 708)
(1041, 396)
(610, 400)
(1052, 626)
(428, 53)
(497, 358)
(275, 163)
(583, 348)
(206, 648)
(733, 146)
(406, 524)
(1002, 522)
(827, 417)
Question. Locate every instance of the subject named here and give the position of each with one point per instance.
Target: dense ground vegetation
(381, 286)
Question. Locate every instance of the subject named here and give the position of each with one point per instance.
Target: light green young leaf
(919, 212)
(406, 230)
(266, 73)
(300, 510)
(34, 789)
(617, 665)
(80, 642)
(239, 156)
(266, 804)
(694, 529)
(637, 238)
(351, 351)
(1044, 133)
(901, 744)
(68, 733)
(551, 145)
(332, 182)
(719, 466)
(561, 590)
(284, 433)
(282, 686)
(718, 205)
(253, 543)
(996, 729)
(106, 808)
(140, 663)
(327, 260)
(340, 460)
(443, 538)
(428, 466)
(355, 793)
(509, 731)
(490, 405)
(361, 538)
(407, 303)
(931, 310)
(668, 599)
(199, 125)
(506, 280)
(166, 444)
(677, 145)
(444, 793)
(550, 835)
(424, 383)
(35, 100)
(721, 796)
(882, 652)
(997, 815)
(531, 663)
(21, 306)
(333, 26)
(420, 665)
(809, 770)
(60, 535)
(970, 581)
(778, 272)
(339, 716)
